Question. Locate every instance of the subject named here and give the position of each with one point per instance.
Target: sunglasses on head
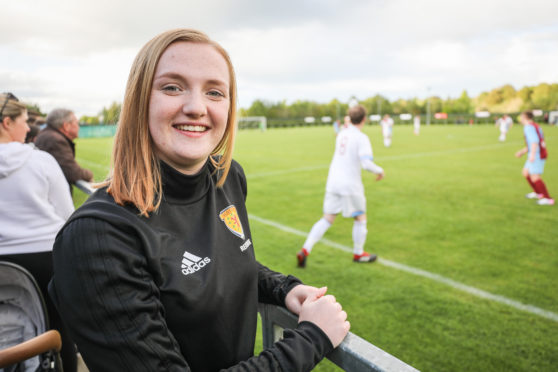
(9, 96)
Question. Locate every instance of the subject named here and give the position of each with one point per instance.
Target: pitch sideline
(425, 274)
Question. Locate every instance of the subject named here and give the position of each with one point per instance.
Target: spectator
(33, 190)
(40, 122)
(32, 134)
(58, 140)
(157, 271)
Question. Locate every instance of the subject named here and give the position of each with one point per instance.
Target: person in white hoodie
(34, 204)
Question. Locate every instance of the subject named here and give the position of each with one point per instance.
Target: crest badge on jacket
(230, 217)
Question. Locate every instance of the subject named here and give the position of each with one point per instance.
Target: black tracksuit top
(176, 291)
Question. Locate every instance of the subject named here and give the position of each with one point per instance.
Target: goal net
(252, 122)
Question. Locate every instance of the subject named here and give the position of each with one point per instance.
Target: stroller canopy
(22, 308)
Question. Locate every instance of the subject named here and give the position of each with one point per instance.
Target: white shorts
(348, 205)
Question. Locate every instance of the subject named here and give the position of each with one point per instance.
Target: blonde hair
(12, 108)
(136, 175)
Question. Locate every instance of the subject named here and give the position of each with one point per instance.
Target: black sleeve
(273, 286)
(108, 300)
(299, 351)
(110, 303)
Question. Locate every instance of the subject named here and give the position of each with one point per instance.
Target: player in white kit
(387, 129)
(505, 123)
(416, 125)
(344, 188)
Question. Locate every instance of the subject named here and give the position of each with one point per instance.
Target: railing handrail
(354, 354)
(85, 187)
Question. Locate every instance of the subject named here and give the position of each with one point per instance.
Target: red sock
(532, 184)
(306, 253)
(541, 189)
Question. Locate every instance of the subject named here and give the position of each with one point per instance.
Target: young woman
(156, 271)
(34, 204)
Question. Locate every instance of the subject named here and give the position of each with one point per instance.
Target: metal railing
(354, 354)
(85, 187)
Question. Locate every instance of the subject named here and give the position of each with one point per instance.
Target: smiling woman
(189, 105)
(157, 270)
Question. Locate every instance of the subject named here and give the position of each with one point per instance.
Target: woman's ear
(6, 121)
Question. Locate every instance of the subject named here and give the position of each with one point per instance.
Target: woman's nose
(194, 105)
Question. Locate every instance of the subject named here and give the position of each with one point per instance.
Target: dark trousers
(40, 266)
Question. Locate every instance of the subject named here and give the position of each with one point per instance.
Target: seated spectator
(40, 122)
(58, 140)
(32, 134)
(34, 204)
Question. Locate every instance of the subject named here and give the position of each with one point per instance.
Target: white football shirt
(506, 124)
(344, 176)
(387, 125)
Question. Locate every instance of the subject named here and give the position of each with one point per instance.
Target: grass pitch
(452, 204)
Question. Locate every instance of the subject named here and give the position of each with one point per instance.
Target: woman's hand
(328, 315)
(296, 296)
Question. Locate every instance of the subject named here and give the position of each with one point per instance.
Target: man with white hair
(58, 140)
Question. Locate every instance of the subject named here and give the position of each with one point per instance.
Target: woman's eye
(215, 93)
(171, 88)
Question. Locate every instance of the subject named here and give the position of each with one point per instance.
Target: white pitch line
(285, 171)
(384, 158)
(446, 152)
(425, 274)
(92, 163)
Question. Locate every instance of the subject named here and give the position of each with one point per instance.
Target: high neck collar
(182, 188)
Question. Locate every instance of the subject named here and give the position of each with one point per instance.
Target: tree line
(504, 99)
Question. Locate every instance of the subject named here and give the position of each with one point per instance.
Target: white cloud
(78, 54)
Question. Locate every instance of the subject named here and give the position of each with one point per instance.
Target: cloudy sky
(77, 54)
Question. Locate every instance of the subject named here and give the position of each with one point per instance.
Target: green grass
(452, 203)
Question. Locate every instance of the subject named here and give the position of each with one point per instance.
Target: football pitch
(468, 273)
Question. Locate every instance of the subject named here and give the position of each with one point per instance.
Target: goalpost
(252, 122)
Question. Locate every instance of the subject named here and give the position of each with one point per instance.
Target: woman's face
(18, 128)
(189, 104)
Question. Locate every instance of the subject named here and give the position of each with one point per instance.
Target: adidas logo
(192, 263)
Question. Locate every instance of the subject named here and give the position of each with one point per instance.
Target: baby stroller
(25, 346)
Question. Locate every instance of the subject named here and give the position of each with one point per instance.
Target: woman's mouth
(191, 128)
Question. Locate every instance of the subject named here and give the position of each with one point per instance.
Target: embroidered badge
(230, 217)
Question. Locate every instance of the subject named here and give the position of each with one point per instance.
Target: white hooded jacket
(34, 199)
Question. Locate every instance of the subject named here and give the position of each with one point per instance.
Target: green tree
(461, 105)
(258, 108)
(111, 114)
(34, 108)
(377, 105)
(89, 120)
(436, 104)
(508, 92)
(542, 97)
